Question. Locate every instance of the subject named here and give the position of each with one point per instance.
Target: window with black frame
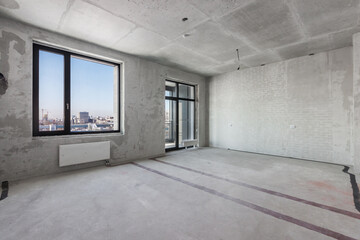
(179, 114)
(74, 94)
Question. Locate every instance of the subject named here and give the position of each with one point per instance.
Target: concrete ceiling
(264, 31)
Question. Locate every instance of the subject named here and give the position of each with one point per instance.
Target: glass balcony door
(179, 114)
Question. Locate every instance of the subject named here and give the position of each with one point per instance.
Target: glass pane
(170, 89)
(51, 91)
(186, 91)
(94, 96)
(170, 124)
(186, 121)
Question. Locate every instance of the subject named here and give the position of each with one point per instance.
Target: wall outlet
(292, 126)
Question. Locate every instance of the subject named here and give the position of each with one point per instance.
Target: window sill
(77, 136)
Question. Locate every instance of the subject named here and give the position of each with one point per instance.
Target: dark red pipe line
(315, 204)
(266, 211)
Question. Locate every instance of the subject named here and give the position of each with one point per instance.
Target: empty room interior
(182, 119)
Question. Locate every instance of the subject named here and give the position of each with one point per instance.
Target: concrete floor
(204, 193)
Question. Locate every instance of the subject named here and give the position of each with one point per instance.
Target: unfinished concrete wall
(253, 109)
(356, 87)
(22, 155)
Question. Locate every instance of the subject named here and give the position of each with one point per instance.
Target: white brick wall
(252, 110)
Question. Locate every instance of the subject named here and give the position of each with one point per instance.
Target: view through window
(92, 96)
(73, 93)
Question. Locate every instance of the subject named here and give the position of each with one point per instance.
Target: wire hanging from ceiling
(238, 57)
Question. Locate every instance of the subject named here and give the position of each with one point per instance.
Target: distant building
(45, 117)
(83, 117)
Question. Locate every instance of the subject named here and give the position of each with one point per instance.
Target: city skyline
(48, 116)
(82, 122)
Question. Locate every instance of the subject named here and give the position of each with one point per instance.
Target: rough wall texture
(22, 155)
(252, 110)
(356, 87)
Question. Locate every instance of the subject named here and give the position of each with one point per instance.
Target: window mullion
(36, 90)
(67, 104)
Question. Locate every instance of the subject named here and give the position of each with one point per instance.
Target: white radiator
(192, 142)
(84, 152)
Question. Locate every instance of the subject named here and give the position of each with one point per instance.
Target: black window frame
(67, 91)
(177, 99)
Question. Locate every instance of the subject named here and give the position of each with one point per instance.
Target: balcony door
(179, 114)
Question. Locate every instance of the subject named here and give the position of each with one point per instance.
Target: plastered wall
(301, 108)
(356, 87)
(22, 155)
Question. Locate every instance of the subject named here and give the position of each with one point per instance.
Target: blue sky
(92, 86)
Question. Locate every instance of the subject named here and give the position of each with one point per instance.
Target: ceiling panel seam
(63, 16)
(233, 10)
(125, 18)
(294, 12)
